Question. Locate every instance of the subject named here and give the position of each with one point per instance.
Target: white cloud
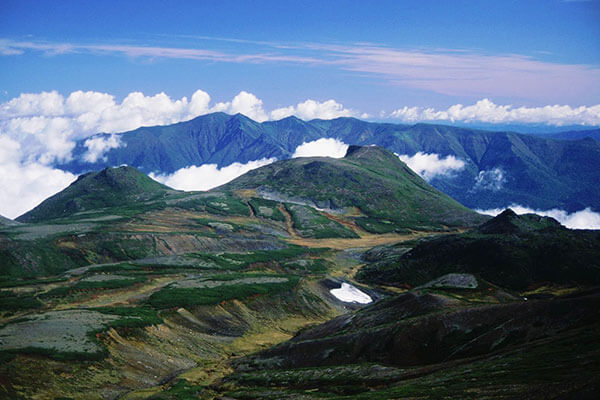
(25, 185)
(325, 147)
(431, 165)
(98, 145)
(40, 129)
(492, 179)
(249, 105)
(207, 176)
(312, 109)
(47, 124)
(583, 219)
(488, 112)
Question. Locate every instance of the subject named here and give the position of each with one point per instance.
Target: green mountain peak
(94, 190)
(371, 182)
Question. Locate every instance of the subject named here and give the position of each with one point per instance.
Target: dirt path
(350, 225)
(288, 222)
(252, 214)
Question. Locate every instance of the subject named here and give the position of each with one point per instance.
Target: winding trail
(288, 222)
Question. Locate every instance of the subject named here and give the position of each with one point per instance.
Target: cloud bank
(488, 112)
(25, 185)
(207, 176)
(329, 147)
(38, 130)
(47, 124)
(98, 145)
(428, 166)
(583, 219)
(311, 109)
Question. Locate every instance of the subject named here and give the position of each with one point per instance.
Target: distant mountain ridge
(500, 168)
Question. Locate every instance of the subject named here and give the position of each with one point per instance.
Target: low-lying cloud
(98, 145)
(490, 179)
(326, 147)
(487, 112)
(207, 176)
(583, 219)
(430, 165)
(25, 185)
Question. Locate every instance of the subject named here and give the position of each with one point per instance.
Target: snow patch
(350, 294)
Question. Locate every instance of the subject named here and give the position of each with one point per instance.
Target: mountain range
(121, 286)
(500, 168)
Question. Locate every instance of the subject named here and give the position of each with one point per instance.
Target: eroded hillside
(145, 292)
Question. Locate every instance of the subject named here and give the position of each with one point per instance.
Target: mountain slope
(166, 293)
(512, 251)
(422, 345)
(6, 221)
(107, 188)
(368, 180)
(574, 135)
(500, 167)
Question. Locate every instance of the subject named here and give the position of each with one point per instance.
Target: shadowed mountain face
(369, 182)
(512, 251)
(410, 330)
(110, 187)
(508, 222)
(428, 346)
(500, 167)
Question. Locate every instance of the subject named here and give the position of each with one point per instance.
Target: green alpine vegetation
(369, 180)
(120, 287)
(110, 187)
(6, 222)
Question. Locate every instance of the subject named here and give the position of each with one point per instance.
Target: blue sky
(71, 69)
(285, 52)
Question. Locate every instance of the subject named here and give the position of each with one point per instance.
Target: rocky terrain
(293, 281)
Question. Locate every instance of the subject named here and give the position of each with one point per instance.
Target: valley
(284, 200)
(120, 287)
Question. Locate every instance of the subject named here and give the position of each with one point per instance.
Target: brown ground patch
(129, 295)
(288, 222)
(367, 240)
(245, 193)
